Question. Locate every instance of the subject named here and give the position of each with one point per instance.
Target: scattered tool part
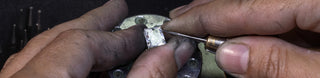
(30, 16)
(22, 24)
(38, 24)
(25, 38)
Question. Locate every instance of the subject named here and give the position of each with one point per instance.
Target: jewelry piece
(153, 33)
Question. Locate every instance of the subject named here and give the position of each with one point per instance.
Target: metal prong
(38, 24)
(30, 16)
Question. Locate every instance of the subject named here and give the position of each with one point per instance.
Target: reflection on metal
(140, 20)
(118, 73)
(193, 62)
(116, 28)
(213, 43)
(38, 24)
(154, 37)
(192, 68)
(186, 76)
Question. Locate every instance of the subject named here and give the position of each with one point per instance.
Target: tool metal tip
(183, 35)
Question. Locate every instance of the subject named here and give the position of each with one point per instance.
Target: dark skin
(259, 56)
(75, 48)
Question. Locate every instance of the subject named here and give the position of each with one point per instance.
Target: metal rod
(187, 36)
(30, 16)
(38, 24)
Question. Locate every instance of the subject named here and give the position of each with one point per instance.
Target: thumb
(267, 57)
(163, 61)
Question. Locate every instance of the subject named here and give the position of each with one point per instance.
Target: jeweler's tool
(211, 43)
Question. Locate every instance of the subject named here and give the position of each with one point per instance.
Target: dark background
(58, 11)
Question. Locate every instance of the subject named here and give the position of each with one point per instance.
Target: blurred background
(23, 19)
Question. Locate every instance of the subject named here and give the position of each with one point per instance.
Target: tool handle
(213, 43)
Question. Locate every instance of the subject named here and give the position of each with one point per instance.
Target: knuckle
(274, 62)
(74, 34)
(9, 59)
(228, 19)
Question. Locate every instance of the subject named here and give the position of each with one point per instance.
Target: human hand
(75, 48)
(256, 56)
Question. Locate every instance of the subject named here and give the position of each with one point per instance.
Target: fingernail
(233, 57)
(183, 49)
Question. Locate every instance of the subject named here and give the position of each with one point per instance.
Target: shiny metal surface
(153, 33)
(154, 37)
(150, 20)
(118, 73)
(213, 43)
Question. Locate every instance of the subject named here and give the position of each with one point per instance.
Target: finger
(75, 52)
(163, 61)
(121, 46)
(93, 20)
(232, 18)
(266, 57)
(182, 9)
(106, 16)
(9, 60)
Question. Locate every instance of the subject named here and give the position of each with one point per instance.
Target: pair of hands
(75, 48)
